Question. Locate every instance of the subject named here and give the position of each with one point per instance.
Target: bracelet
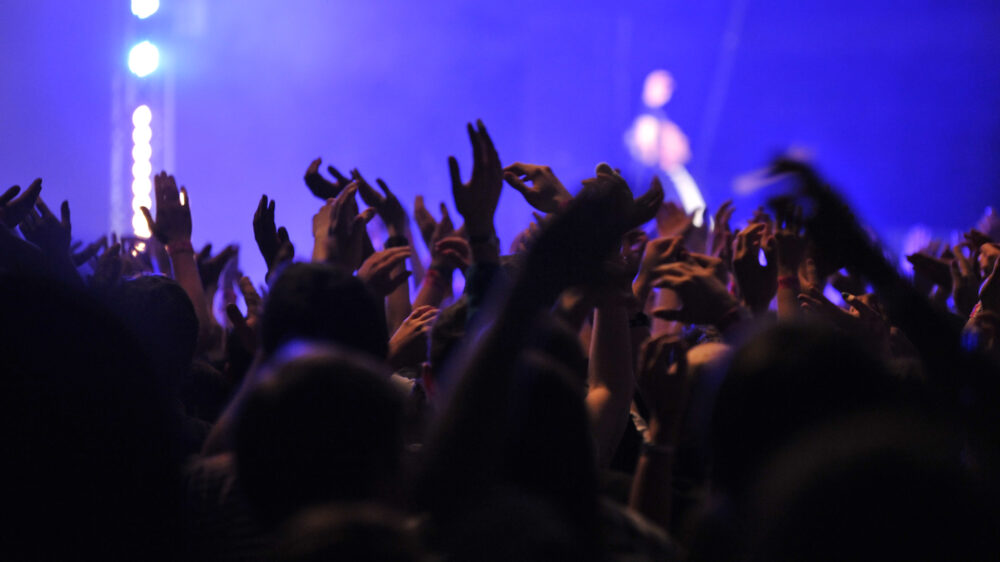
(640, 320)
(789, 282)
(180, 247)
(648, 447)
(436, 275)
(397, 241)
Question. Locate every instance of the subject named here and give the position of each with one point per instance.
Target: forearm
(185, 270)
(666, 298)
(434, 288)
(612, 384)
(788, 294)
(397, 306)
(652, 485)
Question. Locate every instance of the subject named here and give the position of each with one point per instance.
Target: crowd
(625, 383)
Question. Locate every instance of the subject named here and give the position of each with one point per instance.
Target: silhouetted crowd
(627, 382)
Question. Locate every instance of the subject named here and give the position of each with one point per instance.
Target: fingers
(341, 179)
(456, 178)
(205, 253)
(149, 219)
(383, 187)
(492, 159)
(283, 235)
(234, 315)
(9, 194)
(515, 182)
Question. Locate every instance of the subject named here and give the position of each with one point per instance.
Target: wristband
(789, 282)
(397, 241)
(180, 247)
(436, 275)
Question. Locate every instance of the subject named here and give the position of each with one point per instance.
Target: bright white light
(142, 151)
(142, 169)
(139, 226)
(142, 116)
(142, 9)
(644, 138)
(143, 59)
(142, 135)
(142, 186)
(657, 89)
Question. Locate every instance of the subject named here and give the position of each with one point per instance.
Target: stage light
(142, 116)
(142, 135)
(142, 9)
(142, 168)
(657, 89)
(143, 59)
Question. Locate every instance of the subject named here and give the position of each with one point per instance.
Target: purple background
(896, 100)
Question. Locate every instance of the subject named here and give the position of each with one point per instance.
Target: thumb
(515, 182)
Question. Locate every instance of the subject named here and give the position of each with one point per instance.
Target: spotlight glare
(142, 135)
(657, 89)
(139, 226)
(142, 9)
(143, 59)
(142, 116)
(142, 169)
(142, 151)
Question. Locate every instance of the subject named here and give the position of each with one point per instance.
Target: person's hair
(162, 318)
(871, 487)
(357, 532)
(91, 450)
(327, 426)
(324, 303)
(781, 381)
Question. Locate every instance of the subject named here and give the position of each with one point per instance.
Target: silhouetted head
(91, 453)
(873, 487)
(326, 426)
(357, 532)
(323, 303)
(782, 381)
(161, 317)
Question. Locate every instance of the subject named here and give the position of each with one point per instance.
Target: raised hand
(408, 345)
(52, 235)
(210, 267)
(388, 207)
(451, 253)
(862, 319)
(789, 239)
(320, 186)
(546, 193)
(658, 252)
(721, 240)
(705, 299)
(964, 282)
(89, 251)
(273, 242)
(664, 390)
(989, 293)
(109, 267)
(648, 204)
(339, 230)
(173, 211)
(431, 230)
(13, 209)
(477, 199)
(378, 272)
(246, 327)
(671, 221)
(758, 283)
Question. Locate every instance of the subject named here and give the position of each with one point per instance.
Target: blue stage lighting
(143, 59)
(145, 8)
